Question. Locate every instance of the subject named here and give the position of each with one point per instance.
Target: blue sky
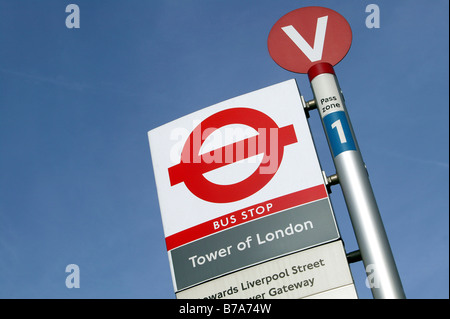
(77, 183)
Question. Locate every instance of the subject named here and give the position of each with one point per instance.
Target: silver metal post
(383, 277)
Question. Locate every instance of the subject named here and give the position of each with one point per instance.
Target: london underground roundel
(192, 166)
(308, 36)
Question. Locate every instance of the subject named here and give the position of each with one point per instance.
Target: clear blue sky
(77, 184)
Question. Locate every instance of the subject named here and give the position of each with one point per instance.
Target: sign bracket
(330, 181)
(310, 105)
(354, 256)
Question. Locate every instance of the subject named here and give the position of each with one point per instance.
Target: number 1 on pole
(338, 130)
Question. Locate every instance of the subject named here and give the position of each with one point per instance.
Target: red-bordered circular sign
(307, 36)
(193, 165)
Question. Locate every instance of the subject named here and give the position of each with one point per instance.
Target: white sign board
(239, 183)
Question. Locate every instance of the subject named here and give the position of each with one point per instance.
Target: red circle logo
(270, 141)
(307, 36)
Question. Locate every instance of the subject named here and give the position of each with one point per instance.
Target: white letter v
(315, 53)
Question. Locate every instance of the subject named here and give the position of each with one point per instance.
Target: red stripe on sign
(245, 215)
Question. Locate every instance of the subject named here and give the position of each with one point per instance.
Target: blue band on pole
(339, 133)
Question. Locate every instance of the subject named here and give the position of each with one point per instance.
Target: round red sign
(307, 36)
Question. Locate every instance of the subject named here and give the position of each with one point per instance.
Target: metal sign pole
(353, 177)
